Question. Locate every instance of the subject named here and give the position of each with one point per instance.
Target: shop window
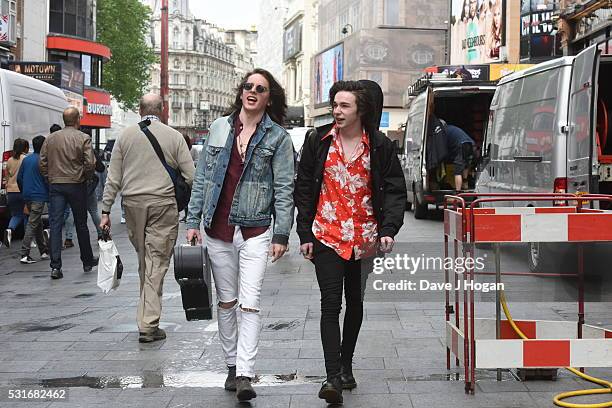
(71, 17)
(56, 22)
(9, 8)
(86, 68)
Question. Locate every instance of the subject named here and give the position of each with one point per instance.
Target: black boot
(346, 376)
(331, 391)
(230, 381)
(244, 389)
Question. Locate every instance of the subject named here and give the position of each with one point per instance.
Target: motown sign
(50, 72)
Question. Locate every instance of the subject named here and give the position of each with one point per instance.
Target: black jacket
(388, 185)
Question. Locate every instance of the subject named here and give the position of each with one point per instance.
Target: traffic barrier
(493, 343)
(551, 344)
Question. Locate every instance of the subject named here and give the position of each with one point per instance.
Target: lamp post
(164, 60)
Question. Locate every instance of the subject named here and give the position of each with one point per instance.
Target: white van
(459, 102)
(28, 107)
(548, 132)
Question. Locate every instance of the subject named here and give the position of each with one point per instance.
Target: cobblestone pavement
(68, 334)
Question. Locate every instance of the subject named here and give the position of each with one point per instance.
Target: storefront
(86, 56)
(540, 41)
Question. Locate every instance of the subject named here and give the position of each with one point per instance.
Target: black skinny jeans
(332, 272)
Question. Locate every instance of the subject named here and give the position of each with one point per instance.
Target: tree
(122, 26)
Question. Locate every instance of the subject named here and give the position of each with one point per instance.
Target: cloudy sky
(227, 13)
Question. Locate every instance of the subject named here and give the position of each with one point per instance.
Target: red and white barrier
(553, 344)
(530, 224)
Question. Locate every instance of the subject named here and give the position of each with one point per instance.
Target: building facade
(272, 14)
(299, 45)
(583, 23)
(61, 35)
(388, 41)
(202, 67)
(11, 16)
(72, 41)
(244, 45)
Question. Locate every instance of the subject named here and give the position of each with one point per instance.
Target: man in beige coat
(150, 207)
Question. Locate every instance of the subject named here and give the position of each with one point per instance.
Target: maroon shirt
(219, 227)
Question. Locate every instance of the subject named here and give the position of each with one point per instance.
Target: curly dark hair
(278, 102)
(365, 104)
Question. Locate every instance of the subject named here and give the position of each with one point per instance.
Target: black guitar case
(193, 273)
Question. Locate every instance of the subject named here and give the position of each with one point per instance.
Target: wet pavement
(67, 334)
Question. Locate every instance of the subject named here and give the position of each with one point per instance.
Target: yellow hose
(557, 398)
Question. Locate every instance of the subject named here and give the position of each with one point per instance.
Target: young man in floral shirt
(350, 195)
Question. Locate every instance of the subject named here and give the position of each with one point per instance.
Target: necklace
(354, 149)
(242, 144)
(242, 147)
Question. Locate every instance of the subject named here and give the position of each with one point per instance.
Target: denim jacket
(265, 187)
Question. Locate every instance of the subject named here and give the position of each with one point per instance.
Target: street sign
(384, 120)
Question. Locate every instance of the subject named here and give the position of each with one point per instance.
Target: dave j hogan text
(425, 285)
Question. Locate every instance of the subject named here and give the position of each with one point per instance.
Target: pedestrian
(150, 206)
(68, 228)
(35, 192)
(101, 172)
(244, 176)
(195, 152)
(13, 194)
(449, 144)
(350, 195)
(67, 162)
(92, 206)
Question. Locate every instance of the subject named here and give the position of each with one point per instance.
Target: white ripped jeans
(238, 270)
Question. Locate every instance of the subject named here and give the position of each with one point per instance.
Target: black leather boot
(331, 391)
(244, 389)
(346, 376)
(230, 381)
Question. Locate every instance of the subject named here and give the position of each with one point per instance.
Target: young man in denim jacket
(244, 177)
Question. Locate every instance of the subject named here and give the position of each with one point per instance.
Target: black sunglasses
(259, 88)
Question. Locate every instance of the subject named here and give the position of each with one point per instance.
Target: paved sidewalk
(68, 334)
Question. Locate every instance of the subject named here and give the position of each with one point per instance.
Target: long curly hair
(278, 102)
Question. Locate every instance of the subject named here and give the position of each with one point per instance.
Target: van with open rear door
(548, 131)
(460, 102)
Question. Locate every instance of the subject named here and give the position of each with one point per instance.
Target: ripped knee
(248, 309)
(227, 305)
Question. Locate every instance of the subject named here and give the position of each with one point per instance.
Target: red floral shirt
(345, 216)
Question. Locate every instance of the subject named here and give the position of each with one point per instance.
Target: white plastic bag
(110, 267)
